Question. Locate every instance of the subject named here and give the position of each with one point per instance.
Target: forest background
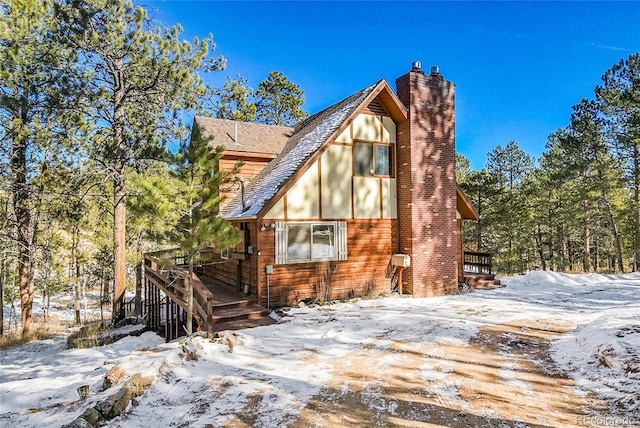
(93, 94)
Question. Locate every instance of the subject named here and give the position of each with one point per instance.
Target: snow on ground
(278, 369)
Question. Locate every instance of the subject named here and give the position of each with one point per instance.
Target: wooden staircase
(216, 307)
(240, 314)
(482, 280)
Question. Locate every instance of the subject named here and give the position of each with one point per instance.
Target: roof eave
(464, 206)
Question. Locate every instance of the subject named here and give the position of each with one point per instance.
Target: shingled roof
(308, 137)
(250, 137)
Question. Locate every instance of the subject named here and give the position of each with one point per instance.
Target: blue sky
(518, 66)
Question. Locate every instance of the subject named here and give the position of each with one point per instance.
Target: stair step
(239, 303)
(240, 324)
(487, 284)
(232, 313)
(472, 279)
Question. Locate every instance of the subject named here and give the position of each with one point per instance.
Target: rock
(120, 400)
(78, 423)
(83, 391)
(112, 377)
(115, 404)
(92, 416)
(229, 339)
(103, 407)
(137, 384)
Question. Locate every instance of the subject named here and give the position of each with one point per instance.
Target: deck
(478, 270)
(216, 307)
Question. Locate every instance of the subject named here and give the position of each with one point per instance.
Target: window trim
(282, 241)
(372, 170)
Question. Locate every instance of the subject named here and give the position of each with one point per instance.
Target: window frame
(372, 159)
(339, 241)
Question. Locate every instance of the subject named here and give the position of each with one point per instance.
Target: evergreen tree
(279, 101)
(481, 188)
(511, 168)
(619, 95)
(235, 101)
(143, 77)
(36, 121)
(188, 201)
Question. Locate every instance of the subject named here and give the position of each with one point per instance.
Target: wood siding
(370, 245)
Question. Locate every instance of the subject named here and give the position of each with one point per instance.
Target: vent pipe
(241, 180)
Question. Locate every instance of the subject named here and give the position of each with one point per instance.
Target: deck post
(167, 326)
(176, 319)
(138, 301)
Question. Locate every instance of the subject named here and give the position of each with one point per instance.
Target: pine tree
(188, 200)
(36, 120)
(511, 167)
(481, 188)
(279, 101)
(619, 96)
(235, 101)
(143, 77)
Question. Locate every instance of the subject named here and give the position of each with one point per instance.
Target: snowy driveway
(548, 350)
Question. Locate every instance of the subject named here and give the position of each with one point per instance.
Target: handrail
(172, 279)
(478, 262)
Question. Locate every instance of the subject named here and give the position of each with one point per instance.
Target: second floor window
(371, 159)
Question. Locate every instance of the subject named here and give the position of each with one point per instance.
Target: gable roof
(243, 136)
(308, 138)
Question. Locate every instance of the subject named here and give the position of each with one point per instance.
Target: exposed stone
(104, 407)
(112, 377)
(119, 402)
(92, 416)
(78, 423)
(115, 404)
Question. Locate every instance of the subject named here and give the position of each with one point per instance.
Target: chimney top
(416, 66)
(435, 70)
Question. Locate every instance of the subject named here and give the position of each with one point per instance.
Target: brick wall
(427, 185)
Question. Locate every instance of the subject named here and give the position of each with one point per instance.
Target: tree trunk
(636, 211)
(614, 231)
(77, 295)
(539, 246)
(189, 290)
(119, 197)
(2, 294)
(23, 223)
(586, 236)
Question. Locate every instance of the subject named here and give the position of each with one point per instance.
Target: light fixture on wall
(263, 228)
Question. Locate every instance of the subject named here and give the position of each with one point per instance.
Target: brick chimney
(426, 157)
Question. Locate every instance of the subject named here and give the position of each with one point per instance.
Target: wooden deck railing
(478, 262)
(161, 268)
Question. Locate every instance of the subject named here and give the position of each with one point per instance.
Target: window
(382, 159)
(224, 254)
(298, 242)
(372, 159)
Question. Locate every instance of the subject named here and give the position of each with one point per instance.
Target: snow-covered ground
(405, 360)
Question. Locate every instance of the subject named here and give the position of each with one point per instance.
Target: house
(324, 206)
